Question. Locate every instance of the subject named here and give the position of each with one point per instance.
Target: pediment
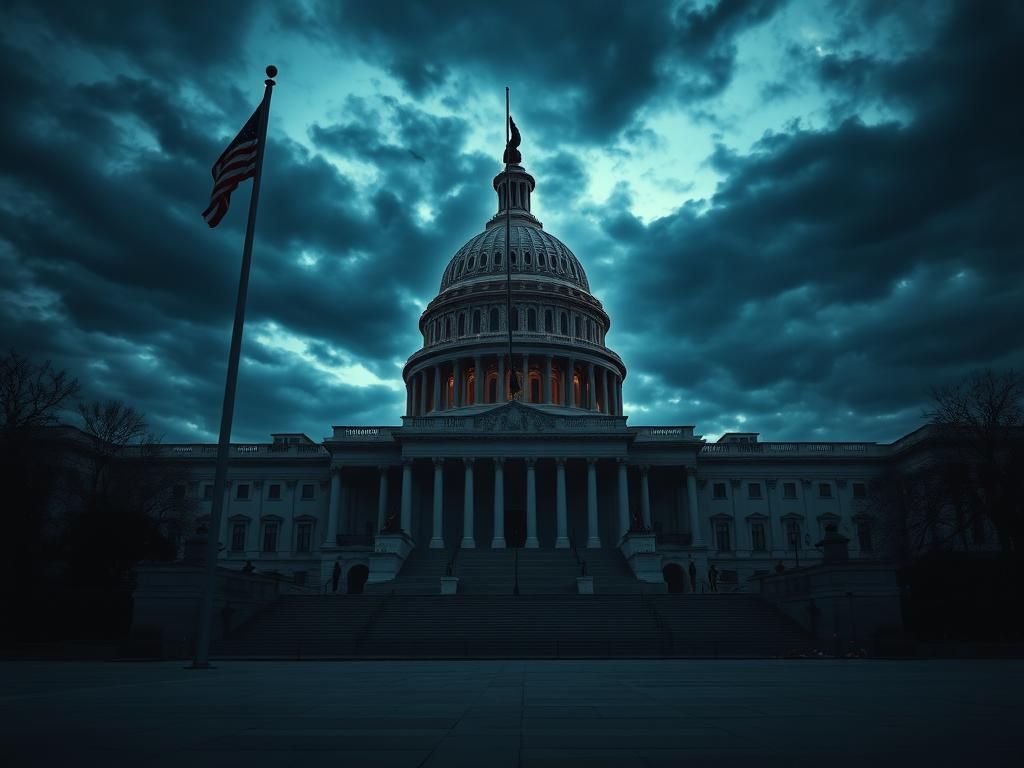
(514, 417)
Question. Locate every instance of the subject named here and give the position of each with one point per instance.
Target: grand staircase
(407, 618)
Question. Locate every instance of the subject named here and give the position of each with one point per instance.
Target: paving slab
(639, 713)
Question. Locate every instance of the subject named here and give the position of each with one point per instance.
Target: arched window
(548, 323)
(476, 321)
(512, 257)
(565, 324)
(458, 268)
(437, 330)
(515, 319)
(579, 329)
(527, 258)
(531, 319)
(492, 323)
(462, 324)
(472, 262)
(483, 260)
(497, 258)
(540, 259)
(447, 327)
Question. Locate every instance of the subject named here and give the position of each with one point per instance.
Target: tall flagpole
(202, 653)
(512, 381)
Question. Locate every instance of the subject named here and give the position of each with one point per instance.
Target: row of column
(600, 386)
(498, 541)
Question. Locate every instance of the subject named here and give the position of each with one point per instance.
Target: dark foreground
(514, 713)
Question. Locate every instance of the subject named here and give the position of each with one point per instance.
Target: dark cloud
(835, 274)
(583, 68)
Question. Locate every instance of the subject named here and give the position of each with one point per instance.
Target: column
(407, 497)
(478, 377)
(593, 536)
(423, 393)
(457, 388)
(591, 389)
(333, 507)
(468, 542)
(622, 411)
(645, 495)
(605, 391)
(570, 364)
(623, 499)
(501, 378)
(696, 536)
(498, 542)
(437, 388)
(562, 537)
(547, 379)
(531, 505)
(437, 532)
(382, 498)
(525, 394)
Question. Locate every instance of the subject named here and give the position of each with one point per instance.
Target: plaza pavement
(514, 713)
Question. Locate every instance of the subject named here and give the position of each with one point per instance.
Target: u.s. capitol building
(555, 467)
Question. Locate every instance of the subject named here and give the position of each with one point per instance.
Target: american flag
(235, 165)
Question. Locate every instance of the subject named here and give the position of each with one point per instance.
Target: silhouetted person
(713, 578)
(780, 568)
(335, 577)
(693, 576)
(248, 567)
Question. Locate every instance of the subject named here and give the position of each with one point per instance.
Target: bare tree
(984, 418)
(31, 394)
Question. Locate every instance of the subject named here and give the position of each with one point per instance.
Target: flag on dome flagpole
(243, 159)
(236, 164)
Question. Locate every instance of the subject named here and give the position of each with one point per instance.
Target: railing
(363, 434)
(237, 450)
(517, 336)
(803, 449)
(449, 569)
(663, 433)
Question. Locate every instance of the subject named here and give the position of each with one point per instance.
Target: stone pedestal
(449, 585)
(389, 553)
(585, 585)
(640, 551)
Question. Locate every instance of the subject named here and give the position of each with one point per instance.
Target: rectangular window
(864, 536)
(303, 537)
(208, 492)
(757, 537)
(307, 491)
(789, 490)
(824, 490)
(242, 491)
(270, 537)
(793, 533)
(274, 492)
(860, 491)
(722, 537)
(753, 490)
(719, 490)
(238, 537)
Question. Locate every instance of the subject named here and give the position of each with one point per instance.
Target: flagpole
(508, 264)
(202, 650)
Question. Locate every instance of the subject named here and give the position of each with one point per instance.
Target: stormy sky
(800, 215)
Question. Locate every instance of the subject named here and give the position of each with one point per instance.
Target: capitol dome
(532, 318)
(533, 252)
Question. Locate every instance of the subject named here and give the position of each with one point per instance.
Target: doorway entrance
(357, 576)
(515, 528)
(673, 574)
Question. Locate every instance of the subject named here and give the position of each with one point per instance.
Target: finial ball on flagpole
(271, 71)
